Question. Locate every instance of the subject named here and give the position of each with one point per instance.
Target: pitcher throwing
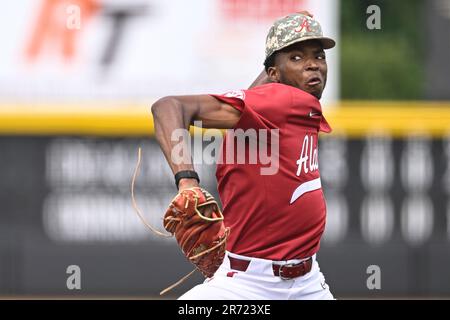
(264, 243)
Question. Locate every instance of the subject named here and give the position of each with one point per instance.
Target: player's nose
(311, 65)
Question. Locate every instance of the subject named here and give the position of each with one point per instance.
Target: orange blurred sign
(51, 27)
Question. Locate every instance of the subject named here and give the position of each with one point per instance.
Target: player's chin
(315, 91)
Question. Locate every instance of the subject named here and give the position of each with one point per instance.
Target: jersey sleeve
(262, 107)
(234, 98)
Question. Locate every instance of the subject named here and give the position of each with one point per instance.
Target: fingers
(208, 211)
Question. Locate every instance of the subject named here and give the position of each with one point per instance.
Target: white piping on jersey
(306, 187)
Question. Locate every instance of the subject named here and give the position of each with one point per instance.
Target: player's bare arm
(179, 112)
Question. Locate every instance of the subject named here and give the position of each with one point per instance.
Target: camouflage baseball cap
(294, 28)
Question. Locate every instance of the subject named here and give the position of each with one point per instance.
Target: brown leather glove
(196, 221)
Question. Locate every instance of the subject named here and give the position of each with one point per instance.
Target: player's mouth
(314, 81)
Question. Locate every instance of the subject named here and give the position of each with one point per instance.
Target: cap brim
(327, 43)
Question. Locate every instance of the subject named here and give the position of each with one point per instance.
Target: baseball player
(273, 222)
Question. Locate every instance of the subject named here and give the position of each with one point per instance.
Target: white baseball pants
(258, 282)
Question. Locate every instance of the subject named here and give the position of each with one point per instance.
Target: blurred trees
(386, 63)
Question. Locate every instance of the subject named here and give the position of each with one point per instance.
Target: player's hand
(187, 183)
(184, 184)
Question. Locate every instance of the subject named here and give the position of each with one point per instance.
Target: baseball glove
(194, 218)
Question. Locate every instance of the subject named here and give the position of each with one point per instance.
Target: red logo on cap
(303, 25)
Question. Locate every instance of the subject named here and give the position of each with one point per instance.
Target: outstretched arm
(178, 113)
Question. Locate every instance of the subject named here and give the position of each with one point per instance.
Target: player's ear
(273, 74)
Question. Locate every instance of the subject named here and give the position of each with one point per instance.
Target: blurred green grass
(386, 64)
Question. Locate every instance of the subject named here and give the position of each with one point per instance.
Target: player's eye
(321, 56)
(296, 57)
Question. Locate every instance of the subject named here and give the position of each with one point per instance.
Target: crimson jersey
(279, 215)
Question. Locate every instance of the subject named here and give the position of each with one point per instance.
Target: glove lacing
(161, 234)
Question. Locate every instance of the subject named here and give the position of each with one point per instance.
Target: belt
(284, 271)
